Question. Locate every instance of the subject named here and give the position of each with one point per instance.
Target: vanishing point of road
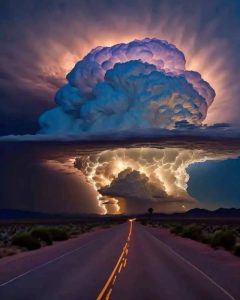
(127, 261)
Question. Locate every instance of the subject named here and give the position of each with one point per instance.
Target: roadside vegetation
(15, 238)
(225, 236)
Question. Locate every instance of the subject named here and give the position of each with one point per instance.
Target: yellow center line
(118, 266)
(108, 294)
(125, 262)
(114, 279)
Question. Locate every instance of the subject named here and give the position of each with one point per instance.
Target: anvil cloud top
(139, 85)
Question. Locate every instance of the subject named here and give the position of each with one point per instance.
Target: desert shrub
(68, 229)
(223, 238)
(25, 239)
(89, 227)
(6, 252)
(237, 249)
(192, 231)
(85, 228)
(58, 234)
(206, 237)
(42, 234)
(216, 239)
(169, 225)
(76, 232)
(144, 222)
(177, 229)
(4, 237)
(164, 225)
(104, 225)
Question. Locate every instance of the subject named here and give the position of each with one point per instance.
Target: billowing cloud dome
(139, 85)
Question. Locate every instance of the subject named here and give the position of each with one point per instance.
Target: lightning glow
(164, 168)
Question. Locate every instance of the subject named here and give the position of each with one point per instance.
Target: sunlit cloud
(143, 176)
(42, 53)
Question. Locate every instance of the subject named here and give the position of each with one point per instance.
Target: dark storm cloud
(139, 193)
(31, 181)
(41, 40)
(41, 176)
(181, 135)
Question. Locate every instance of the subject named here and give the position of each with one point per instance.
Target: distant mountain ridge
(205, 213)
(8, 214)
(22, 214)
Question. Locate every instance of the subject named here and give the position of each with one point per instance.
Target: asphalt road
(125, 262)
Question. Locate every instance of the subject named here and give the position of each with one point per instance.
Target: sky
(224, 192)
(41, 41)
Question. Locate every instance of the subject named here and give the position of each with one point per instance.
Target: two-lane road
(78, 273)
(125, 262)
(156, 271)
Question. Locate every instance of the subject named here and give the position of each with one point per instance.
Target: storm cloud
(137, 177)
(138, 193)
(139, 85)
(41, 42)
(69, 177)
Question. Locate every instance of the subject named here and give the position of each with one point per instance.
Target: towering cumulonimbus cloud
(139, 85)
(134, 179)
(141, 176)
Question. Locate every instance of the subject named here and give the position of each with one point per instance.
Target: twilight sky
(216, 183)
(41, 41)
